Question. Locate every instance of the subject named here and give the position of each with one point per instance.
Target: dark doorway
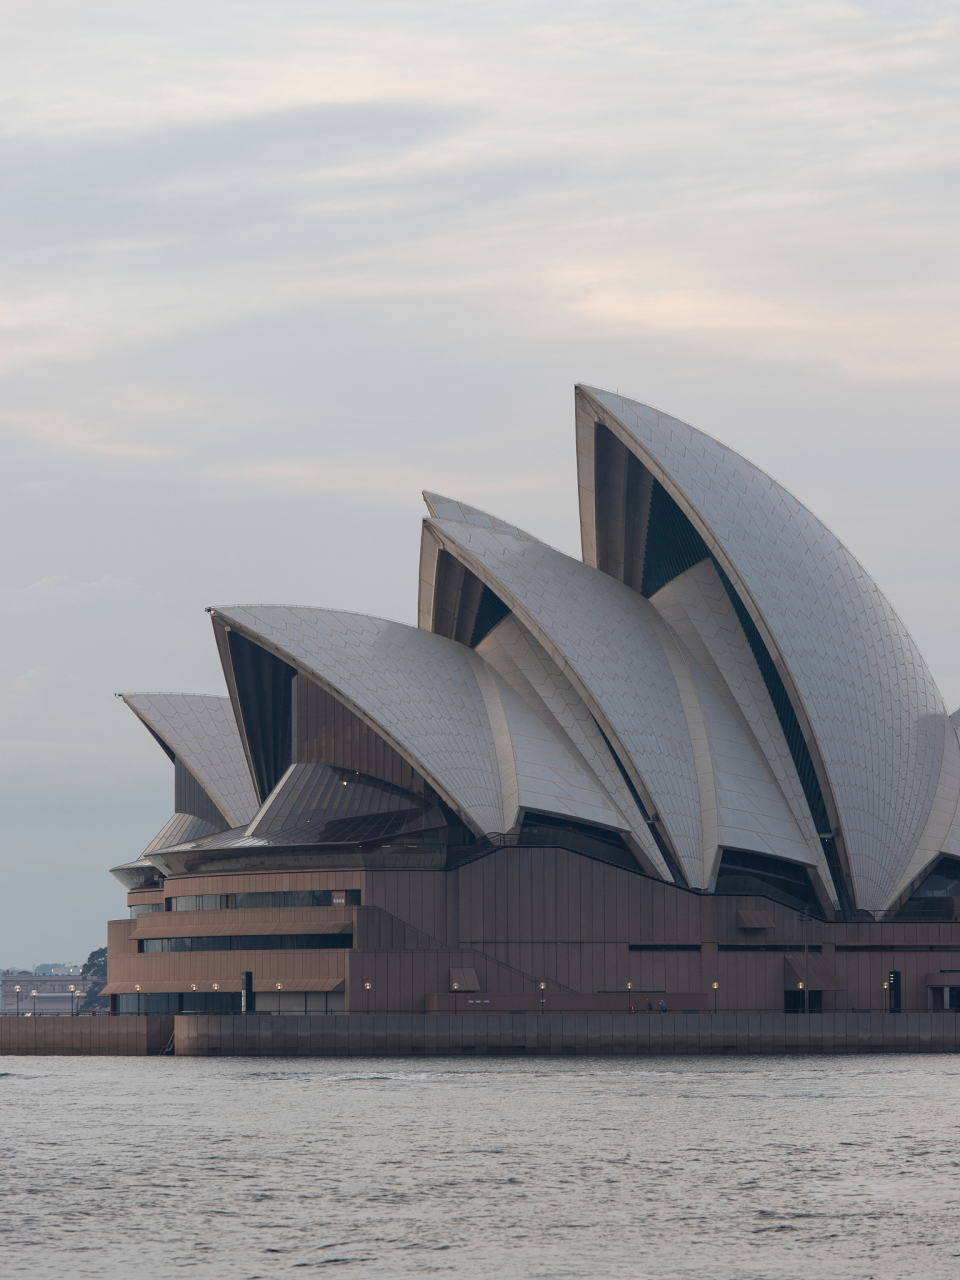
(793, 1002)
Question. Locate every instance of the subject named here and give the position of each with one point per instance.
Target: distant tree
(95, 968)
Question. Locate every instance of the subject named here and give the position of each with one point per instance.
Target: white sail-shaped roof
(530, 671)
(603, 636)
(420, 692)
(492, 754)
(874, 713)
(202, 732)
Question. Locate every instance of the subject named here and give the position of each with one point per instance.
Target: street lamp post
(716, 988)
(17, 990)
(543, 997)
(804, 916)
(630, 1008)
(366, 998)
(73, 990)
(34, 994)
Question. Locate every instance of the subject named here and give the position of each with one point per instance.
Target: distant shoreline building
(706, 765)
(53, 992)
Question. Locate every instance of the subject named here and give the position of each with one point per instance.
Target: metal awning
(464, 980)
(811, 969)
(754, 920)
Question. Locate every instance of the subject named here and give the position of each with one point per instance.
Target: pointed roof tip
(442, 508)
(435, 500)
(447, 509)
(600, 393)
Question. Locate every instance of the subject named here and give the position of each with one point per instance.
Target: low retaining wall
(396, 1035)
(85, 1034)
(403, 1034)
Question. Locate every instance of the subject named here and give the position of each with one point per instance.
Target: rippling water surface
(724, 1169)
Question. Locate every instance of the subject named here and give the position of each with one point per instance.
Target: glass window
(745, 873)
(793, 1002)
(179, 1002)
(145, 908)
(249, 942)
(257, 901)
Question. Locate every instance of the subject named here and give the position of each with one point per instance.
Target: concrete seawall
(413, 1034)
(84, 1035)
(347, 1035)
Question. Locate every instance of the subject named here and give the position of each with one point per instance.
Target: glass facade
(793, 1002)
(228, 1002)
(249, 942)
(178, 1002)
(756, 873)
(294, 1002)
(596, 842)
(933, 900)
(145, 908)
(247, 901)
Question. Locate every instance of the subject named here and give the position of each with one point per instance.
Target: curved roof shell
(647, 674)
(419, 691)
(444, 708)
(870, 708)
(603, 637)
(202, 732)
(530, 671)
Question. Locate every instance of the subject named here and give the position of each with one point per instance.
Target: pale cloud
(57, 590)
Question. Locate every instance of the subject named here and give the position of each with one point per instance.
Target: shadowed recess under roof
(264, 690)
(318, 795)
(463, 608)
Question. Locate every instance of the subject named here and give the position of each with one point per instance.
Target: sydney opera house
(705, 767)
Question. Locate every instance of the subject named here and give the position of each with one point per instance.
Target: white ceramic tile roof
(748, 807)
(419, 690)
(942, 831)
(544, 769)
(603, 637)
(874, 709)
(203, 733)
(441, 508)
(530, 671)
(181, 828)
(703, 599)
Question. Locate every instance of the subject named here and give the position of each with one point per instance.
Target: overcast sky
(269, 270)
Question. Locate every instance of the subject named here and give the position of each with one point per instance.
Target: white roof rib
(530, 671)
(202, 732)
(876, 714)
(603, 637)
(758, 803)
(419, 690)
(546, 774)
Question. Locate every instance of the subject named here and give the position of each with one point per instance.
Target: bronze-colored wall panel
(329, 733)
(522, 915)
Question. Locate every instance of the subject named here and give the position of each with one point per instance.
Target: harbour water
(732, 1168)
